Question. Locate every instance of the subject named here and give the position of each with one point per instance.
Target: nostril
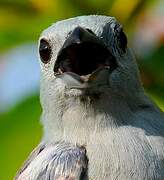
(90, 31)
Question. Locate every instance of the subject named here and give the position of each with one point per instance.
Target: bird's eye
(45, 51)
(121, 37)
(122, 40)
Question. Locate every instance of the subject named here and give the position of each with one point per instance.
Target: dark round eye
(45, 51)
(122, 40)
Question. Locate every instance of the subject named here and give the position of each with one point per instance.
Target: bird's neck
(76, 119)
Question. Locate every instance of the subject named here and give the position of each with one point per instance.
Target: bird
(98, 122)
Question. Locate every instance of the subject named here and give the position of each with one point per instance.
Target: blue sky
(19, 76)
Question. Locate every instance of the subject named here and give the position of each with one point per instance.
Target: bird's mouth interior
(84, 58)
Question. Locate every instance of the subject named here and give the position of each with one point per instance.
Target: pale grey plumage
(55, 161)
(121, 129)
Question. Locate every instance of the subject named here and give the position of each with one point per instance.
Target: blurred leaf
(157, 97)
(155, 63)
(92, 6)
(23, 6)
(152, 71)
(122, 8)
(20, 132)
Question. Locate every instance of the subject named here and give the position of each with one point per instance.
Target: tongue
(98, 78)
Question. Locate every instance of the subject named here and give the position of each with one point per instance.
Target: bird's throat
(77, 119)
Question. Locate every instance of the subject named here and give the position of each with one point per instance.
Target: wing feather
(32, 155)
(59, 161)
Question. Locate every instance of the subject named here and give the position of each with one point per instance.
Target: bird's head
(86, 56)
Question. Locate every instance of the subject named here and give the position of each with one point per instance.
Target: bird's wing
(60, 161)
(31, 157)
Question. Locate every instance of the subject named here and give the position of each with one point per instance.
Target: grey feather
(31, 157)
(56, 161)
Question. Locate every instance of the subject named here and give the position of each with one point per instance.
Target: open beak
(83, 53)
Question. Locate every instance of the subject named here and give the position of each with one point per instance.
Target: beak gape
(82, 53)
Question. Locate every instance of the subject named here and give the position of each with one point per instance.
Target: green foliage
(152, 70)
(20, 132)
(154, 63)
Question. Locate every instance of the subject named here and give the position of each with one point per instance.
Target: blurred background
(21, 22)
